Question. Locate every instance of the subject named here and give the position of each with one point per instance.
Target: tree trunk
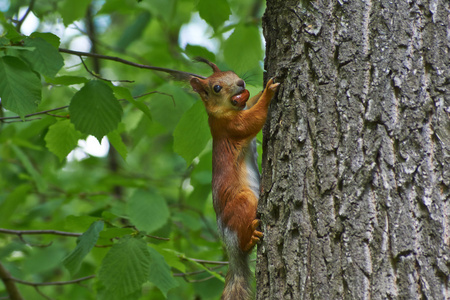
(356, 164)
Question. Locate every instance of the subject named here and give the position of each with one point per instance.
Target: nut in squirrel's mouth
(240, 99)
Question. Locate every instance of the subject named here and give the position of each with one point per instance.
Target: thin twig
(35, 114)
(29, 9)
(20, 234)
(58, 116)
(177, 74)
(195, 272)
(161, 93)
(51, 282)
(157, 237)
(41, 293)
(210, 262)
(18, 120)
(147, 235)
(47, 112)
(27, 232)
(200, 280)
(104, 246)
(101, 78)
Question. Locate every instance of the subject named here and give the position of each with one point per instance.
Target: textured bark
(356, 164)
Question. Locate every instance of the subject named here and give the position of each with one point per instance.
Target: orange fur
(232, 132)
(235, 198)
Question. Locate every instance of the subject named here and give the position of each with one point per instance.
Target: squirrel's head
(222, 91)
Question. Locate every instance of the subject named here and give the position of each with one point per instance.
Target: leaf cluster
(142, 211)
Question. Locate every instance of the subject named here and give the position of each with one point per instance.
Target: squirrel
(234, 121)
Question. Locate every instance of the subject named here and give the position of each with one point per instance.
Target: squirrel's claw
(270, 89)
(273, 87)
(256, 235)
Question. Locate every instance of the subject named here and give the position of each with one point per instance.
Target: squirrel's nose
(241, 83)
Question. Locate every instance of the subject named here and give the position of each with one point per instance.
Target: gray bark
(356, 164)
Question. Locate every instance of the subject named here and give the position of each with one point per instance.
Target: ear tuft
(212, 65)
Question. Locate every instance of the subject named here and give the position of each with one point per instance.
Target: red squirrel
(234, 121)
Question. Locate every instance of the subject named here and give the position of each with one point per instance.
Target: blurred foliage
(143, 212)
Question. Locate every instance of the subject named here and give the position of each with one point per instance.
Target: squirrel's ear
(197, 85)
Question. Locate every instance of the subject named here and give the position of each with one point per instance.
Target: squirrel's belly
(251, 164)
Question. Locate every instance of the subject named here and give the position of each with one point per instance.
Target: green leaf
(116, 140)
(114, 232)
(206, 287)
(147, 210)
(195, 51)
(94, 109)
(71, 10)
(67, 80)
(124, 93)
(14, 245)
(134, 31)
(48, 37)
(160, 274)
(109, 295)
(41, 184)
(189, 219)
(9, 30)
(4, 41)
(19, 48)
(163, 108)
(192, 132)
(215, 13)
(86, 242)
(78, 223)
(163, 9)
(12, 201)
(62, 138)
(239, 58)
(45, 58)
(113, 6)
(20, 88)
(125, 267)
(171, 258)
(42, 260)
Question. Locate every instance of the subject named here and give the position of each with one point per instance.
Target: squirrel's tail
(237, 281)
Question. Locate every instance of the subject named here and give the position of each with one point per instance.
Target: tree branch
(202, 261)
(9, 283)
(35, 114)
(29, 9)
(195, 272)
(26, 232)
(47, 112)
(180, 75)
(19, 233)
(35, 284)
(199, 280)
(186, 275)
(101, 78)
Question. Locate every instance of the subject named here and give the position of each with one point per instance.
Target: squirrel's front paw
(271, 85)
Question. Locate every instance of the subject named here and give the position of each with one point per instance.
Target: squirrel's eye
(217, 88)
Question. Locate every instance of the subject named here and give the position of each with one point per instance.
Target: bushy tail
(237, 282)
